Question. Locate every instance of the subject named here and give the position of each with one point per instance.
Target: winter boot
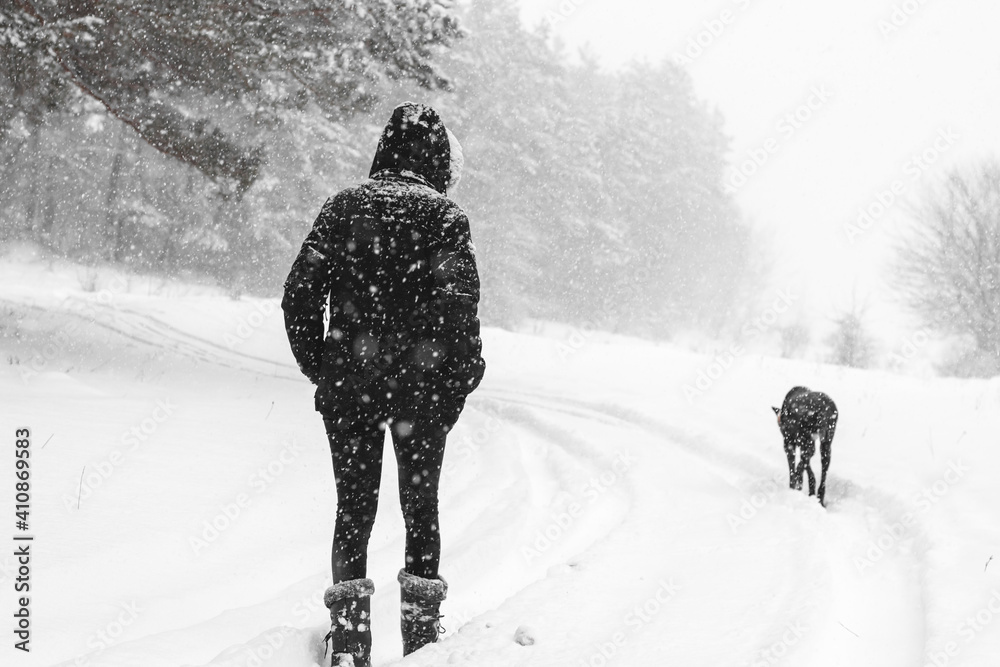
(420, 610)
(350, 633)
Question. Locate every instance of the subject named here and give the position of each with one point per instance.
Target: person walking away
(391, 264)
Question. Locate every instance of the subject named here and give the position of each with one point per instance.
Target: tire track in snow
(146, 330)
(734, 467)
(878, 509)
(876, 512)
(613, 541)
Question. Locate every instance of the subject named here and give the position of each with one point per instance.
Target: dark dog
(805, 418)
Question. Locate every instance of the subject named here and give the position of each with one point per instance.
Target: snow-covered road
(184, 503)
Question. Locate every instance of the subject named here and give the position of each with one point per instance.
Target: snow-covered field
(183, 500)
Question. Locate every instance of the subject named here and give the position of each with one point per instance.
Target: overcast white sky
(886, 79)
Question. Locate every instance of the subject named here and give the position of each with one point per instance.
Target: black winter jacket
(394, 256)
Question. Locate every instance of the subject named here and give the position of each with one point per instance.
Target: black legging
(357, 465)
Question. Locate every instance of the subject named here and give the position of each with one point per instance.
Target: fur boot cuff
(353, 588)
(430, 590)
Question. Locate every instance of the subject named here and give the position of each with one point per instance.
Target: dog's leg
(790, 455)
(807, 448)
(812, 478)
(799, 471)
(824, 455)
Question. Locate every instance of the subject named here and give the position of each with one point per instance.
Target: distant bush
(794, 339)
(948, 265)
(964, 360)
(850, 343)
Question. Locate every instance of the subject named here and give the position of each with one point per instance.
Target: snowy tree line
(145, 132)
(202, 137)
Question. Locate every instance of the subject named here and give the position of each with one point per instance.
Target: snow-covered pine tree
(150, 63)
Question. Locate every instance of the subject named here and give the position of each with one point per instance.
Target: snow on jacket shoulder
(394, 257)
